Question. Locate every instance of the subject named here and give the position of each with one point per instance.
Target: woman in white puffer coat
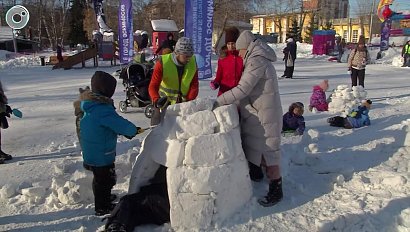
(257, 95)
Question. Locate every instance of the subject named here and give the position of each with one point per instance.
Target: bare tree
(363, 12)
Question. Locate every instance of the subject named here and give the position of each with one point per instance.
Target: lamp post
(371, 21)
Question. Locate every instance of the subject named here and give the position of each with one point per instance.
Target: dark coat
(167, 44)
(144, 41)
(293, 122)
(291, 48)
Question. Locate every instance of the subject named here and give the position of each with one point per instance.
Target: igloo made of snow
(207, 173)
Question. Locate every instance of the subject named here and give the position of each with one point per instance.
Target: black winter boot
(116, 227)
(275, 194)
(5, 156)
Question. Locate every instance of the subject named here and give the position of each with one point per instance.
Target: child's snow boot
(1, 161)
(275, 194)
(116, 227)
(5, 156)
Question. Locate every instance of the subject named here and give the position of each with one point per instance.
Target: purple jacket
(318, 99)
(293, 122)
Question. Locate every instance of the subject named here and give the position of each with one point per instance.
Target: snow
(334, 179)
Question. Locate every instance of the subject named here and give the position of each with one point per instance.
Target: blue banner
(198, 26)
(125, 35)
(385, 35)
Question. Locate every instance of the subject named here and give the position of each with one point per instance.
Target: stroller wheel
(149, 109)
(123, 106)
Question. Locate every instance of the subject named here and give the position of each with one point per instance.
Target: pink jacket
(318, 99)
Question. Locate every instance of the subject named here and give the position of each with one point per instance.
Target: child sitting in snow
(318, 99)
(293, 121)
(357, 118)
(99, 127)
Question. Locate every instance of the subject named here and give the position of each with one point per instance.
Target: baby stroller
(136, 78)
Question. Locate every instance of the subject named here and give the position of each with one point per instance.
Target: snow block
(190, 107)
(209, 150)
(199, 123)
(191, 210)
(227, 117)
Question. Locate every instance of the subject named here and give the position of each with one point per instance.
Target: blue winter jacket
(99, 129)
(361, 117)
(293, 122)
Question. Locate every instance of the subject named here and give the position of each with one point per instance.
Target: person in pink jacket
(318, 99)
(230, 67)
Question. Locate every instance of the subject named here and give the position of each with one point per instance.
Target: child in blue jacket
(99, 127)
(293, 121)
(357, 118)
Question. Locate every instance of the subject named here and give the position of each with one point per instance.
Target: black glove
(162, 103)
(9, 110)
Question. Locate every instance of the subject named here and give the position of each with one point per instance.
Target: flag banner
(125, 35)
(198, 26)
(385, 35)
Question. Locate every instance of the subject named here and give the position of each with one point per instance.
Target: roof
(164, 25)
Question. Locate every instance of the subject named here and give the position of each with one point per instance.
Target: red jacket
(156, 80)
(229, 71)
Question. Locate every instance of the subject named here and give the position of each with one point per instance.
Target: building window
(345, 34)
(355, 36)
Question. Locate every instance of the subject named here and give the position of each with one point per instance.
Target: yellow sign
(405, 23)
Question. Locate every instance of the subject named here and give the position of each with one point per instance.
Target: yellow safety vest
(171, 84)
(407, 49)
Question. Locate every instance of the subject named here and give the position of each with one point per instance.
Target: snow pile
(344, 99)
(304, 50)
(67, 187)
(20, 62)
(207, 171)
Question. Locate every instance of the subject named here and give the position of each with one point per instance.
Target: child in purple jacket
(293, 121)
(318, 99)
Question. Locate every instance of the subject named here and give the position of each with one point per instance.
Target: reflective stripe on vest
(170, 79)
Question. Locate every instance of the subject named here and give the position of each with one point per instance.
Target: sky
(334, 179)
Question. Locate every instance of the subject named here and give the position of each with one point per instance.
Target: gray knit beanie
(244, 40)
(184, 46)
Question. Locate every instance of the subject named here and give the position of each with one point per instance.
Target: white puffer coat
(260, 107)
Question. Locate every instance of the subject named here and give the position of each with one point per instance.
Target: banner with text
(385, 35)
(198, 26)
(125, 35)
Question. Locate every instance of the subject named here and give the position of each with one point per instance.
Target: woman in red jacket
(230, 67)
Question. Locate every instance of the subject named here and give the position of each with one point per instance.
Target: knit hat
(231, 34)
(324, 85)
(184, 46)
(103, 83)
(290, 40)
(361, 40)
(367, 103)
(244, 40)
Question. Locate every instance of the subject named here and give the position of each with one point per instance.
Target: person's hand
(140, 130)
(8, 110)
(162, 103)
(213, 85)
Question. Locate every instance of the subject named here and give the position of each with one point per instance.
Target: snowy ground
(356, 180)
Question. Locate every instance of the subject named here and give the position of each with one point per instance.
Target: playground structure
(81, 57)
(387, 16)
(160, 28)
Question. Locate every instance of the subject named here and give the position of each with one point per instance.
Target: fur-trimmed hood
(87, 95)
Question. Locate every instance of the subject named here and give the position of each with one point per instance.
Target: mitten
(214, 85)
(140, 130)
